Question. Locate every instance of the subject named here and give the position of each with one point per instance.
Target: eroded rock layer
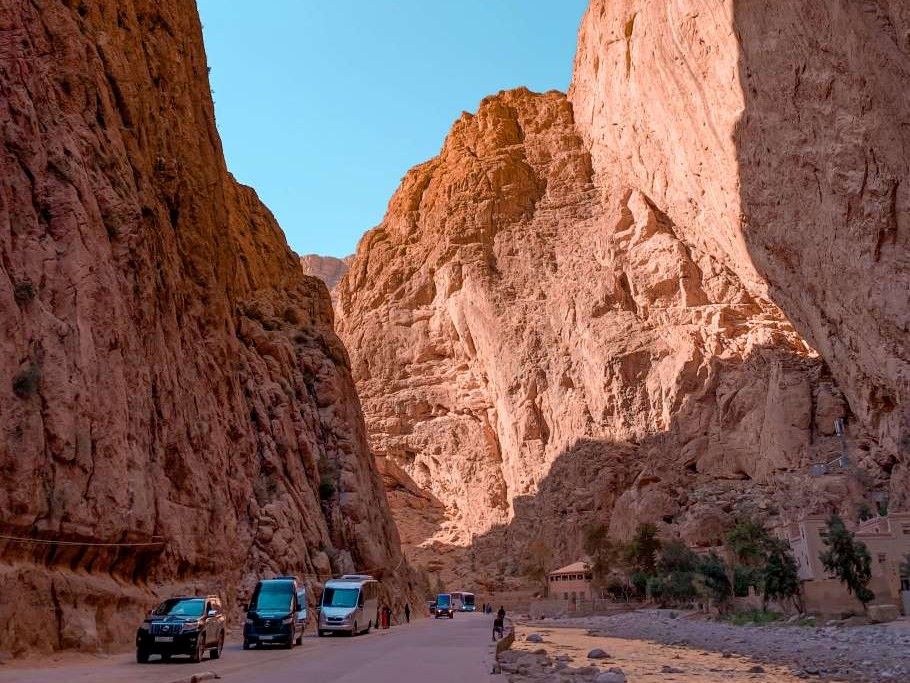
(168, 376)
(580, 311)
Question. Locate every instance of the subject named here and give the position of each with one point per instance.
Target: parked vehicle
(277, 613)
(349, 605)
(463, 601)
(444, 606)
(187, 625)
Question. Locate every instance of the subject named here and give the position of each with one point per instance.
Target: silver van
(349, 605)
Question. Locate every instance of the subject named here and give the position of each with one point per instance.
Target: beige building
(888, 541)
(572, 582)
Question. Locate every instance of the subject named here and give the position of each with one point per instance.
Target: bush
(749, 541)
(25, 383)
(326, 488)
(743, 579)
(716, 583)
(780, 577)
(639, 581)
(753, 616)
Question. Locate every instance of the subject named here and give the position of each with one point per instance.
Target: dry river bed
(659, 645)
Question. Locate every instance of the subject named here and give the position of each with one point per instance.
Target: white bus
(463, 602)
(349, 605)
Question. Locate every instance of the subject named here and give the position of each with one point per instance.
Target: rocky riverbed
(659, 645)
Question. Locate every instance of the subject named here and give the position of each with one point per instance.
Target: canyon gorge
(653, 299)
(665, 296)
(169, 379)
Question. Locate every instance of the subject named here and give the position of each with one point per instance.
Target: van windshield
(340, 597)
(442, 600)
(272, 596)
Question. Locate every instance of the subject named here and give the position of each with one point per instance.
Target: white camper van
(349, 605)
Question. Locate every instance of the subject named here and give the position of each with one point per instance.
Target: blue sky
(323, 105)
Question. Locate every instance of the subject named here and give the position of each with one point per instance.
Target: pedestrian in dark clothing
(407, 612)
(498, 627)
(501, 614)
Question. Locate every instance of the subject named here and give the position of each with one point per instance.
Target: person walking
(407, 613)
(501, 613)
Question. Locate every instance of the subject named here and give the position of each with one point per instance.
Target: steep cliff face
(329, 269)
(772, 135)
(168, 376)
(581, 310)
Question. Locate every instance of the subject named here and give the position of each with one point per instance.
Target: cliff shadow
(822, 148)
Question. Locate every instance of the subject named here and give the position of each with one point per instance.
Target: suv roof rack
(283, 578)
(356, 577)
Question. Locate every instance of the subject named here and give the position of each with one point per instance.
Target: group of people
(384, 616)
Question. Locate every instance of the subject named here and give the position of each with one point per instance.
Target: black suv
(187, 625)
(277, 613)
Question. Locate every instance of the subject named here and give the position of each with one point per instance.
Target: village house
(572, 582)
(888, 541)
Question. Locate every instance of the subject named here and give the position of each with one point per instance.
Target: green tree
(602, 551)
(749, 542)
(848, 559)
(715, 582)
(641, 552)
(780, 576)
(537, 566)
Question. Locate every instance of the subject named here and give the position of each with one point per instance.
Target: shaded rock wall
(636, 276)
(167, 374)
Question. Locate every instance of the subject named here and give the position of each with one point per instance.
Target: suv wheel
(142, 656)
(215, 652)
(200, 648)
(246, 644)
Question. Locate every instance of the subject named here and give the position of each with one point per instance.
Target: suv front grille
(166, 629)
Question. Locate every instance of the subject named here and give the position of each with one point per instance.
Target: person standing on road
(407, 613)
(501, 613)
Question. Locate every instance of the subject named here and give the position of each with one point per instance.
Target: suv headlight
(144, 626)
(190, 626)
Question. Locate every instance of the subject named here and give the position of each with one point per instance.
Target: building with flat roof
(572, 582)
(888, 541)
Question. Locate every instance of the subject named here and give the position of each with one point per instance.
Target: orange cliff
(168, 377)
(652, 299)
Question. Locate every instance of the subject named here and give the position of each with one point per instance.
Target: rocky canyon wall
(608, 308)
(168, 376)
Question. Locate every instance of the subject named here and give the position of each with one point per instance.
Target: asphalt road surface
(440, 650)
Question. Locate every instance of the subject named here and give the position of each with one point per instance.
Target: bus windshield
(340, 597)
(273, 596)
(468, 599)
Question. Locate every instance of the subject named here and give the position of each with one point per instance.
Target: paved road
(443, 651)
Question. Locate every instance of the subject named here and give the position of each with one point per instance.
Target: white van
(349, 605)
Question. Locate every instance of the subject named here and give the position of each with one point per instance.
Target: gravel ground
(659, 645)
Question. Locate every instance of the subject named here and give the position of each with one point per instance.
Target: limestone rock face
(168, 376)
(329, 269)
(653, 300)
(772, 135)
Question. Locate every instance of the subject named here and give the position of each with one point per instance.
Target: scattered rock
(611, 675)
(597, 653)
(666, 669)
(756, 669)
(534, 638)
